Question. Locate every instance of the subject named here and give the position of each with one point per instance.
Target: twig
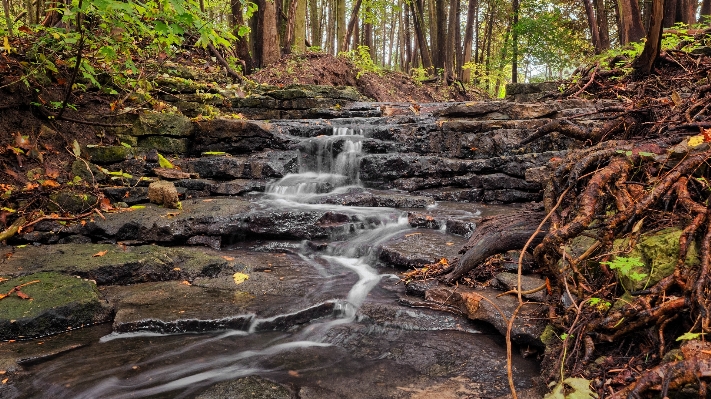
(66, 218)
(582, 89)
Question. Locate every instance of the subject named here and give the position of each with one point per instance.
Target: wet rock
(108, 154)
(173, 174)
(268, 164)
(420, 248)
(113, 264)
(213, 242)
(252, 387)
(129, 195)
(162, 124)
(300, 224)
(87, 171)
(237, 187)
(418, 288)
(509, 281)
(57, 303)
(164, 193)
(477, 305)
(235, 136)
(359, 197)
(165, 145)
(72, 202)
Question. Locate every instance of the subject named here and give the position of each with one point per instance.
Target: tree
(645, 62)
(630, 23)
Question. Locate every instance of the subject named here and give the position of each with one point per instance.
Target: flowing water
(369, 347)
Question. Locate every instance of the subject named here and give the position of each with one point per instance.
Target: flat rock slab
(416, 249)
(54, 303)
(509, 281)
(281, 291)
(478, 304)
(374, 198)
(114, 264)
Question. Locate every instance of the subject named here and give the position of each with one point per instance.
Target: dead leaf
(676, 98)
(25, 29)
(707, 134)
(293, 373)
(449, 244)
(5, 381)
(240, 278)
(22, 295)
(30, 186)
(50, 184)
(22, 141)
(186, 282)
(100, 253)
(228, 258)
(105, 204)
(51, 173)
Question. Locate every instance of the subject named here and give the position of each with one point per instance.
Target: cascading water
(313, 353)
(319, 170)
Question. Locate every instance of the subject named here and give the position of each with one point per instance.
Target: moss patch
(658, 252)
(58, 302)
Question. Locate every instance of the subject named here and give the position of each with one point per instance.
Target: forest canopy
(486, 43)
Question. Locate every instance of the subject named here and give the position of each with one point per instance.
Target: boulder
(162, 124)
(108, 154)
(164, 193)
(235, 136)
(165, 145)
(54, 303)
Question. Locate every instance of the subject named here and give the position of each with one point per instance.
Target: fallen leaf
(22, 295)
(51, 173)
(22, 141)
(707, 134)
(177, 269)
(76, 148)
(228, 258)
(676, 98)
(5, 381)
(293, 373)
(105, 204)
(240, 277)
(50, 184)
(100, 253)
(695, 141)
(449, 244)
(30, 186)
(186, 282)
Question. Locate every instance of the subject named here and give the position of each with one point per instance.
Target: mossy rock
(165, 145)
(162, 124)
(253, 387)
(659, 252)
(58, 302)
(135, 264)
(108, 154)
(69, 201)
(87, 171)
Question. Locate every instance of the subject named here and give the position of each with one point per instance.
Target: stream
(368, 346)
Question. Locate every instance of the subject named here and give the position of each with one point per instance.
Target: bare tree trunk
(407, 64)
(592, 24)
(439, 45)
(669, 13)
(340, 25)
(514, 60)
(602, 24)
(351, 24)
(300, 27)
(630, 21)
(451, 44)
(417, 15)
(331, 27)
(269, 37)
(502, 59)
(645, 62)
(242, 42)
(290, 27)
(465, 74)
(8, 18)
(315, 23)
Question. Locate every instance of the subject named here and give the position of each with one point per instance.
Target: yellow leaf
(240, 277)
(164, 163)
(6, 45)
(696, 141)
(676, 98)
(100, 253)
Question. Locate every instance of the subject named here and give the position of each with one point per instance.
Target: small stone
(164, 193)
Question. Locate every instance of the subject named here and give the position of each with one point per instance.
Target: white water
(330, 173)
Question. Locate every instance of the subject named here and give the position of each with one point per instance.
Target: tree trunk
(602, 24)
(502, 59)
(242, 42)
(630, 21)
(514, 44)
(669, 13)
(315, 23)
(592, 24)
(408, 39)
(686, 11)
(352, 23)
(468, 39)
(290, 27)
(300, 28)
(645, 62)
(451, 45)
(269, 38)
(368, 34)
(8, 18)
(418, 20)
(705, 10)
(496, 235)
(439, 47)
(340, 25)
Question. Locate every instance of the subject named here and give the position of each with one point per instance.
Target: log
(495, 235)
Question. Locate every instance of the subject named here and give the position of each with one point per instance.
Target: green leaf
(126, 145)
(164, 163)
(572, 388)
(76, 149)
(689, 336)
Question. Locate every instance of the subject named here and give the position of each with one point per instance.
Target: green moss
(167, 145)
(162, 124)
(548, 335)
(108, 154)
(658, 252)
(52, 290)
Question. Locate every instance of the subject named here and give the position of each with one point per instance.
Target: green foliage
(599, 304)
(360, 57)
(689, 336)
(164, 163)
(627, 267)
(572, 388)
